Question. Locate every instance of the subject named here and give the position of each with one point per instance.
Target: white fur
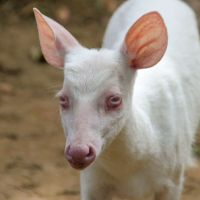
(143, 149)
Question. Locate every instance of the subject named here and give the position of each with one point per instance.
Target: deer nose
(80, 156)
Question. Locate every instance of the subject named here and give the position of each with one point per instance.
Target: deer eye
(113, 102)
(64, 102)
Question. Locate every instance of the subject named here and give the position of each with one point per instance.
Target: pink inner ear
(146, 41)
(55, 40)
(64, 40)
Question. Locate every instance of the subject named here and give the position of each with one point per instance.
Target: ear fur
(146, 41)
(55, 40)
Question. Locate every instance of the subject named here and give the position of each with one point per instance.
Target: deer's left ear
(146, 41)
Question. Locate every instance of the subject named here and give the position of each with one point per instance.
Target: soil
(32, 164)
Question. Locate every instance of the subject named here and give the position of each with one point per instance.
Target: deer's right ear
(55, 40)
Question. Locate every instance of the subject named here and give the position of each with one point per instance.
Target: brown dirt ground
(32, 165)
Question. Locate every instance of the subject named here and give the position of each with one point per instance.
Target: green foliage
(196, 150)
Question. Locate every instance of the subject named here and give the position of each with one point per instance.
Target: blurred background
(32, 164)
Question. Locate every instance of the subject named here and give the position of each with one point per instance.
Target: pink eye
(114, 102)
(64, 102)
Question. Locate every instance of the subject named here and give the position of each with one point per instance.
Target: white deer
(130, 110)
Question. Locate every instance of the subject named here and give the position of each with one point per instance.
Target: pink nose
(80, 156)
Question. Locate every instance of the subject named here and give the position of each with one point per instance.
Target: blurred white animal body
(131, 109)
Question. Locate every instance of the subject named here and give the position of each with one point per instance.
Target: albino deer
(130, 110)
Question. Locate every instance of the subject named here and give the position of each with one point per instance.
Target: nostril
(67, 150)
(68, 154)
(91, 153)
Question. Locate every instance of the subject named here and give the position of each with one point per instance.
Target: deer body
(169, 91)
(136, 126)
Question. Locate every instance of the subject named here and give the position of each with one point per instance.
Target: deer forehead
(91, 71)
